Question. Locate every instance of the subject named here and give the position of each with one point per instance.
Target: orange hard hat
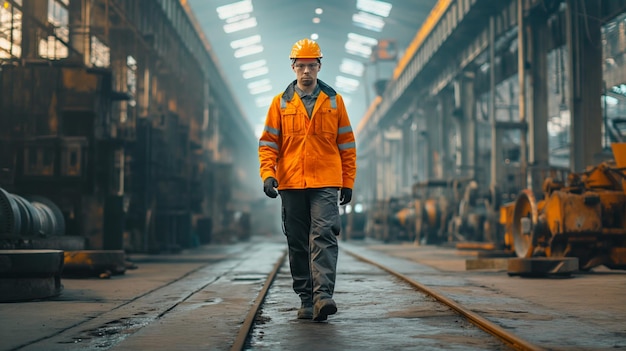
(305, 48)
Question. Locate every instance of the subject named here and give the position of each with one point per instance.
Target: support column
(406, 153)
(446, 110)
(494, 170)
(380, 166)
(390, 176)
(79, 23)
(434, 140)
(538, 155)
(521, 73)
(34, 20)
(466, 102)
(584, 43)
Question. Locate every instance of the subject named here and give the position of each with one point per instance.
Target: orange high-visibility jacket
(308, 153)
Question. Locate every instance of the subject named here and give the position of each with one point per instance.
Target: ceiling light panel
(253, 65)
(368, 21)
(234, 9)
(358, 49)
(360, 45)
(379, 8)
(260, 89)
(264, 101)
(258, 83)
(252, 40)
(257, 72)
(240, 25)
(352, 67)
(238, 18)
(248, 50)
(347, 84)
(365, 40)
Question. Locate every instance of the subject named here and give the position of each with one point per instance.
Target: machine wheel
(525, 220)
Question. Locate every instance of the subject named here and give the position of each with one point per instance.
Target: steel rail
(248, 322)
(481, 322)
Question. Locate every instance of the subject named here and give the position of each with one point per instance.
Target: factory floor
(184, 301)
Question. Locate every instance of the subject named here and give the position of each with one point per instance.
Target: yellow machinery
(584, 218)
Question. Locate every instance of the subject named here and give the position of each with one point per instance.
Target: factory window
(70, 161)
(100, 53)
(614, 97)
(10, 31)
(131, 79)
(53, 46)
(39, 161)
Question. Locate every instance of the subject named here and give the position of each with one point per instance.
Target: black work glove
(269, 186)
(346, 196)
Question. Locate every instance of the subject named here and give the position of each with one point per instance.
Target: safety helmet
(305, 48)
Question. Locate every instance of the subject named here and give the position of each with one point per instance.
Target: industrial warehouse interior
(480, 147)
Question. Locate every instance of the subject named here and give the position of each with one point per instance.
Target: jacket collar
(290, 91)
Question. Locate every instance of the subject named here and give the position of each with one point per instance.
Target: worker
(307, 153)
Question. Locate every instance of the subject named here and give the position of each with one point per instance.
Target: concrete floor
(198, 299)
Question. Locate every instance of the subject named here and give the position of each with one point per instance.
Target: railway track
(256, 331)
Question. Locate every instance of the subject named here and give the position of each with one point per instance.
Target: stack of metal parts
(29, 274)
(22, 221)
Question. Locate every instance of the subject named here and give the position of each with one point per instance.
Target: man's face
(306, 71)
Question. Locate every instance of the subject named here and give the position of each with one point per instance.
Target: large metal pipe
(36, 216)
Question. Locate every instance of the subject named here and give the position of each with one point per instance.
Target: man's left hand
(346, 196)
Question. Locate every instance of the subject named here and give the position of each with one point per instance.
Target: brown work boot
(324, 308)
(305, 311)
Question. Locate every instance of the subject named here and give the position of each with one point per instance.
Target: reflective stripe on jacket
(308, 153)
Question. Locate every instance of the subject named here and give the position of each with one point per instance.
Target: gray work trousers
(311, 224)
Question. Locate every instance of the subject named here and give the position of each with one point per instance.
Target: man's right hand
(269, 187)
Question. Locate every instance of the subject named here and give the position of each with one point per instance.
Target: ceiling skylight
(375, 7)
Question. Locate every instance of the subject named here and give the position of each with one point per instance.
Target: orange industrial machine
(584, 217)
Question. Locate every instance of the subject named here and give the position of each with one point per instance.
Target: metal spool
(35, 216)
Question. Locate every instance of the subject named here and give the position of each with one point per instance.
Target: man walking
(308, 154)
